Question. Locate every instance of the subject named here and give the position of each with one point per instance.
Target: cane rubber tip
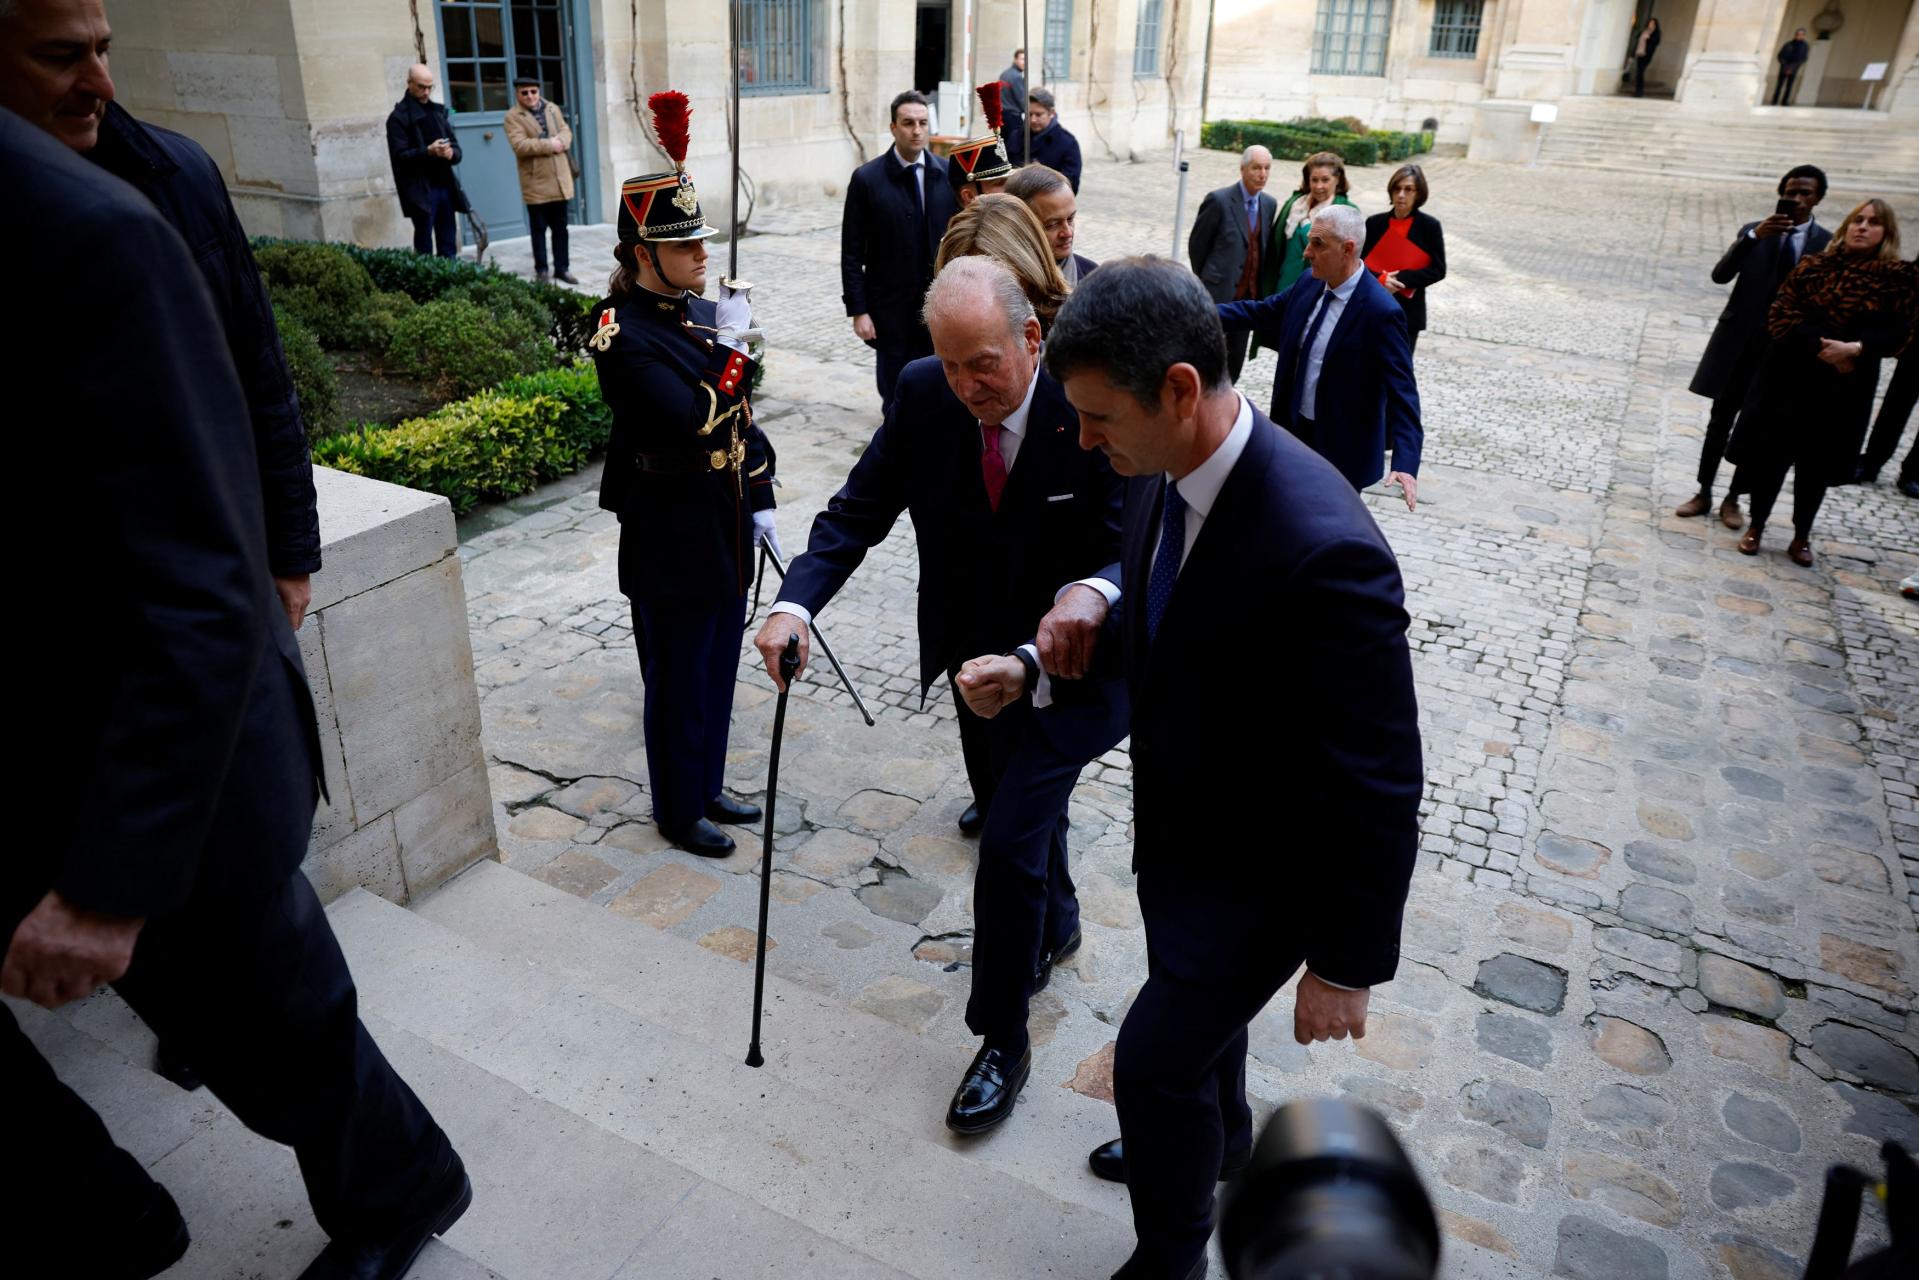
(753, 1058)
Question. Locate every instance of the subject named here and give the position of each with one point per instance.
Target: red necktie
(992, 464)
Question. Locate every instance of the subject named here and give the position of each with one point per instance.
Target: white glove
(735, 307)
(764, 528)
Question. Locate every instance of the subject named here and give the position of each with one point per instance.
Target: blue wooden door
(485, 45)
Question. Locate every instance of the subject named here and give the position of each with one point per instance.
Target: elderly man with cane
(980, 449)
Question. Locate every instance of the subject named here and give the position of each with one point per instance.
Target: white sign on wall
(1545, 112)
(1874, 71)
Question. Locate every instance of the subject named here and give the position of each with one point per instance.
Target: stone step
(810, 1040)
(1712, 170)
(817, 1155)
(553, 1194)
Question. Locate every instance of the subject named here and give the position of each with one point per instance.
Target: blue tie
(1172, 545)
(1321, 307)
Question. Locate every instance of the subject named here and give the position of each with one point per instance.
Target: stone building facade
(290, 95)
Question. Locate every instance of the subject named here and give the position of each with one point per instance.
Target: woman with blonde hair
(1001, 227)
(1833, 320)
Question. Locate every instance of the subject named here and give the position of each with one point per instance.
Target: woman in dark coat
(1405, 249)
(1834, 319)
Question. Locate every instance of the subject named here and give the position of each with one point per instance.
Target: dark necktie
(1172, 546)
(992, 464)
(1787, 258)
(1321, 307)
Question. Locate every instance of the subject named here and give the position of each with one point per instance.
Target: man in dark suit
(897, 206)
(423, 151)
(1792, 59)
(189, 729)
(1344, 383)
(1227, 518)
(1234, 226)
(980, 449)
(1051, 144)
(1050, 197)
(1762, 255)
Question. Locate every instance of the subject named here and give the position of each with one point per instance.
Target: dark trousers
(1782, 91)
(894, 353)
(437, 224)
(1412, 340)
(1639, 77)
(1236, 344)
(1725, 412)
(1024, 902)
(1895, 414)
(1179, 1073)
(255, 995)
(541, 218)
(1767, 476)
(689, 659)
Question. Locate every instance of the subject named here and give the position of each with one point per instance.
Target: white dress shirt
(1009, 443)
(1797, 237)
(1334, 304)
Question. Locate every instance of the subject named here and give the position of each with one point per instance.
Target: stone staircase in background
(1862, 152)
(589, 1069)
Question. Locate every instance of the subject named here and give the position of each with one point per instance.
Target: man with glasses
(540, 138)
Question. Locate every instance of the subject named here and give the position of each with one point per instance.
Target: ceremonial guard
(979, 166)
(690, 477)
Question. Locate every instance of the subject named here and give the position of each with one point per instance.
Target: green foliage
(1297, 139)
(500, 443)
(322, 287)
(460, 347)
(313, 377)
(568, 315)
(572, 314)
(587, 418)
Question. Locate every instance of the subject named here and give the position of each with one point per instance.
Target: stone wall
(391, 668)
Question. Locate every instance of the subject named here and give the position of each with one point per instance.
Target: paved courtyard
(1660, 949)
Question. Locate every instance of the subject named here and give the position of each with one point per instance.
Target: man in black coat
(897, 207)
(1229, 523)
(1233, 227)
(421, 145)
(1051, 144)
(188, 728)
(1762, 255)
(1793, 56)
(1006, 508)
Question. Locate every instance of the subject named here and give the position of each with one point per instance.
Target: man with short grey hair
(1344, 382)
(981, 449)
(1234, 227)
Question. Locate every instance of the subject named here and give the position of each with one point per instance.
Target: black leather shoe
(1108, 1162)
(724, 808)
(972, 820)
(174, 1069)
(988, 1090)
(702, 838)
(1047, 959)
(393, 1256)
(566, 276)
(1910, 488)
(144, 1247)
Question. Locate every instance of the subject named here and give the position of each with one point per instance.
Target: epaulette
(609, 329)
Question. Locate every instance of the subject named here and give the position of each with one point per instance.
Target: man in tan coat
(540, 138)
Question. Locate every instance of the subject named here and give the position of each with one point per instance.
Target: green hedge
(314, 381)
(426, 278)
(497, 444)
(324, 289)
(1298, 139)
(459, 346)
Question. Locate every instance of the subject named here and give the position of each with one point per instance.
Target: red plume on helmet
(989, 101)
(670, 116)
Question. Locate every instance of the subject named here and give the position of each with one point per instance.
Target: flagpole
(733, 210)
(1026, 81)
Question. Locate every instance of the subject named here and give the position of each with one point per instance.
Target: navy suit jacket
(1322, 718)
(886, 251)
(986, 577)
(1367, 399)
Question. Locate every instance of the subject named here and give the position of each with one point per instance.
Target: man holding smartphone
(1761, 257)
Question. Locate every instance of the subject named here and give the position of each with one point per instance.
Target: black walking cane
(789, 667)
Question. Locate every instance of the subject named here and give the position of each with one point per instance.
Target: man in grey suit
(1235, 224)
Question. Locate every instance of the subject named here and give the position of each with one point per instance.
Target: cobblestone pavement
(1660, 949)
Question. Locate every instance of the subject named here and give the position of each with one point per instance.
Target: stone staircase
(1862, 152)
(589, 1069)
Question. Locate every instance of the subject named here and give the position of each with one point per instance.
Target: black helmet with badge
(659, 207)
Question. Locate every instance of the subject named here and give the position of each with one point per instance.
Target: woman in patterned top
(1834, 319)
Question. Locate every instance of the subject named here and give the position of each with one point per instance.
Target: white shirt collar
(1202, 484)
(908, 164)
(1345, 291)
(1016, 420)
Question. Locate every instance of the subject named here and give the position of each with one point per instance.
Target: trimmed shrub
(1287, 142)
(587, 420)
(486, 446)
(572, 313)
(322, 287)
(568, 315)
(460, 347)
(313, 378)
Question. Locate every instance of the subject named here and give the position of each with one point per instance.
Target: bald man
(420, 142)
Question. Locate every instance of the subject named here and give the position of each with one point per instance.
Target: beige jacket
(545, 175)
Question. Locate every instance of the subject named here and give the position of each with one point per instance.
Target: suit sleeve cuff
(1108, 589)
(1338, 986)
(1041, 685)
(799, 611)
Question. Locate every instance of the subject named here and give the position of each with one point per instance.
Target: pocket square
(1060, 497)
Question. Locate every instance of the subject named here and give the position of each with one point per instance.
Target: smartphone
(1786, 209)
